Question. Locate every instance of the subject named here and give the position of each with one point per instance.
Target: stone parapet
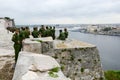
(31, 66)
(38, 45)
(80, 63)
(79, 60)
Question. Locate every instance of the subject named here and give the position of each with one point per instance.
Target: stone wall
(80, 63)
(79, 60)
(6, 64)
(31, 66)
(38, 45)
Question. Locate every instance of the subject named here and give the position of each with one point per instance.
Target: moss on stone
(72, 58)
(62, 67)
(63, 50)
(39, 40)
(82, 69)
(55, 69)
(112, 75)
(95, 62)
(55, 57)
(53, 72)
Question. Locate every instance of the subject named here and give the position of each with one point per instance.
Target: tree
(6, 17)
(107, 29)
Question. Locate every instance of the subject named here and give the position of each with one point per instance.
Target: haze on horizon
(61, 11)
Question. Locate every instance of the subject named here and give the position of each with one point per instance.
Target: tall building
(6, 22)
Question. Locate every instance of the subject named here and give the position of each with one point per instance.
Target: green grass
(55, 69)
(112, 75)
(39, 40)
(53, 72)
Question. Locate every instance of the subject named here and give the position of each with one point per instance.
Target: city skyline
(61, 11)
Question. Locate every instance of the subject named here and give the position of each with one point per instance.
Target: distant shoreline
(99, 33)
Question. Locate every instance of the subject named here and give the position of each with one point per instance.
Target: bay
(108, 46)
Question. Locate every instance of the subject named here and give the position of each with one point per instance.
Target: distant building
(94, 28)
(6, 22)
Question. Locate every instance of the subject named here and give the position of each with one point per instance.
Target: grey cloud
(28, 10)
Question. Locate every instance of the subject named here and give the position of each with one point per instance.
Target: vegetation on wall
(112, 75)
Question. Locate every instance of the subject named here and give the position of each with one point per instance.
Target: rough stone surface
(79, 60)
(31, 45)
(38, 45)
(71, 43)
(32, 66)
(6, 64)
(5, 39)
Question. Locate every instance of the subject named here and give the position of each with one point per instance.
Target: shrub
(112, 75)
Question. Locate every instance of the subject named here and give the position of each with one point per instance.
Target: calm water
(108, 46)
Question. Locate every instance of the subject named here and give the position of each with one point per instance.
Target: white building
(93, 28)
(6, 22)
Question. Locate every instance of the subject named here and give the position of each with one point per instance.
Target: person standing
(66, 33)
(61, 35)
(53, 33)
(22, 36)
(35, 32)
(27, 32)
(17, 43)
(42, 31)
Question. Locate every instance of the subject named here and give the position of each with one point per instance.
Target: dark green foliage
(112, 75)
(107, 29)
(64, 50)
(39, 40)
(6, 17)
(52, 74)
(62, 68)
(82, 69)
(95, 30)
(56, 69)
(55, 57)
(72, 58)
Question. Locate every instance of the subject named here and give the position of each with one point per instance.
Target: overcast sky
(61, 11)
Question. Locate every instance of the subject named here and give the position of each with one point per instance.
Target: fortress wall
(80, 63)
(6, 64)
(79, 60)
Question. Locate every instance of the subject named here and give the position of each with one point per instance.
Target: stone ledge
(36, 40)
(58, 44)
(6, 52)
(31, 66)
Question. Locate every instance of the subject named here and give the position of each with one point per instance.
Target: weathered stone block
(38, 45)
(32, 66)
(6, 64)
(31, 45)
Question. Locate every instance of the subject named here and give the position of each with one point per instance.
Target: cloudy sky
(61, 11)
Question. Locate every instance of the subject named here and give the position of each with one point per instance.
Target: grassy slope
(112, 75)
